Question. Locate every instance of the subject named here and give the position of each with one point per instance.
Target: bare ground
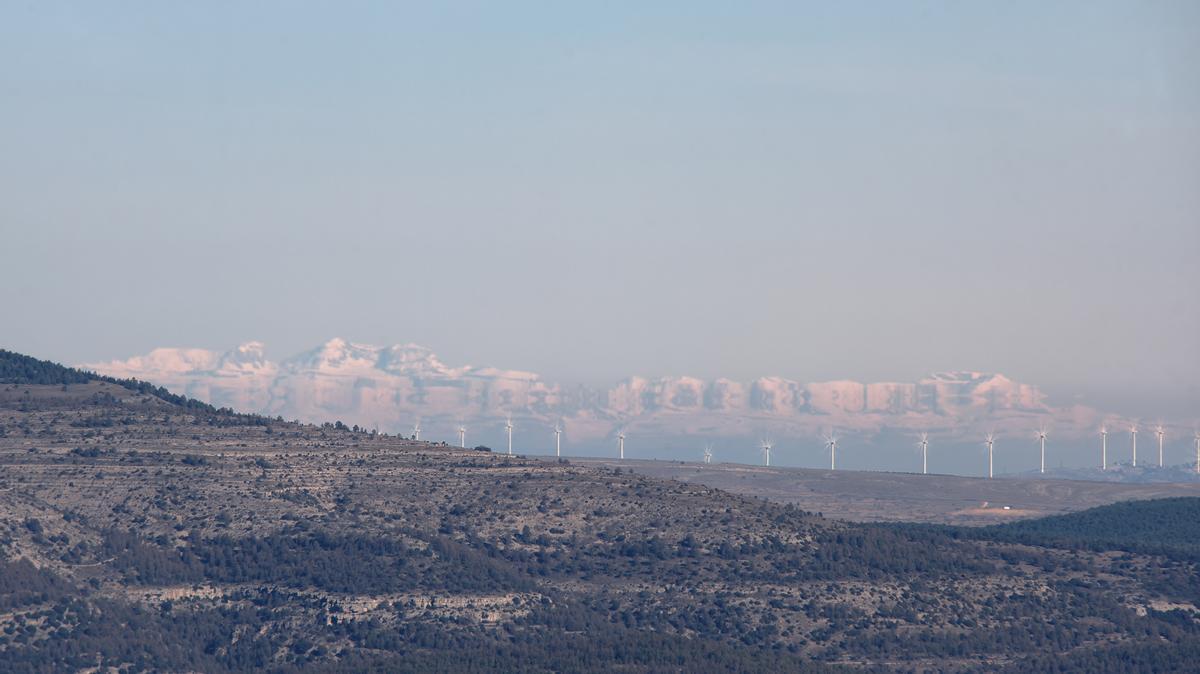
(903, 497)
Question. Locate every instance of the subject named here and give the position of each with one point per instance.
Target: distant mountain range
(390, 388)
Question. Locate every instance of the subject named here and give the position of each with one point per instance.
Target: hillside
(1168, 527)
(19, 369)
(141, 533)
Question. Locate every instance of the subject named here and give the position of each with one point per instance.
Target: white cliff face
(836, 397)
(775, 395)
(888, 398)
(391, 387)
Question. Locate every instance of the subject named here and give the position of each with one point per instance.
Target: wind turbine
(708, 453)
(1041, 434)
(1198, 452)
(766, 451)
(924, 443)
(1103, 448)
(621, 443)
(1159, 432)
(831, 443)
(508, 427)
(989, 441)
(417, 430)
(557, 440)
(462, 436)
(1133, 434)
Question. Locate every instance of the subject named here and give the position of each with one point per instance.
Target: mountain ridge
(392, 387)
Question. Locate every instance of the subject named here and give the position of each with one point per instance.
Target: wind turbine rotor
(1103, 448)
(990, 440)
(831, 442)
(1197, 438)
(1160, 432)
(1041, 435)
(924, 445)
(1133, 429)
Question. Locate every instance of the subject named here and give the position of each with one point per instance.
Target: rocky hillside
(138, 533)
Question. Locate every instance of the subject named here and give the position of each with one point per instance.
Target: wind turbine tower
(989, 441)
(1198, 452)
(621, 444)
(417, 430)
(508, 427)
(462, 436)
(924, 453)
(708, 452)
(1159, 431)
(557, 440)
(1133, 435)
(766, 451)
(831, 442)
(1042, 437)
(1103, 448)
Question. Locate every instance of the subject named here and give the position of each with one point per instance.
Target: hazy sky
(865, 190)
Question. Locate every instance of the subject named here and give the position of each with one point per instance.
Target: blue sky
(838, 190)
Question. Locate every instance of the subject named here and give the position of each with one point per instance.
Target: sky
(859, 190)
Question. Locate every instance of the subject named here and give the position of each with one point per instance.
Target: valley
(862, 496)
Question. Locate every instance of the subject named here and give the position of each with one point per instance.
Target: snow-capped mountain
(391, 387)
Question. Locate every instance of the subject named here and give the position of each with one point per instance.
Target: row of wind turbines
(831, 442)
(989, 441)
(508, 430)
